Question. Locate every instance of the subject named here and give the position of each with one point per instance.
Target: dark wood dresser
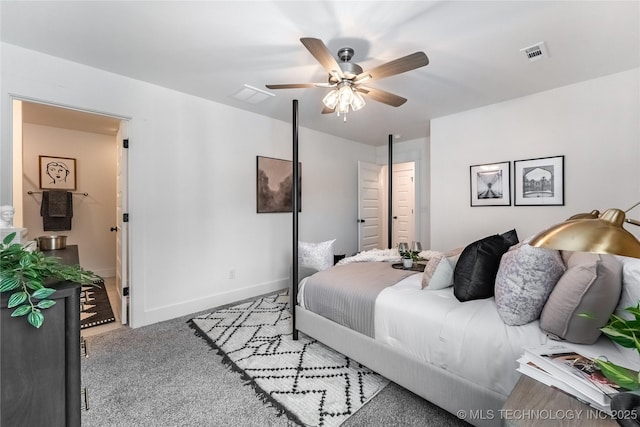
(40, 368)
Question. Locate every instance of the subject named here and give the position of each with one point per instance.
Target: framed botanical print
(491, 184)
(539, 182)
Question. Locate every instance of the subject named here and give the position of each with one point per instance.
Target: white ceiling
(212, 48)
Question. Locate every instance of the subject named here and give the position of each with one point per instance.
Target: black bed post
(294, 203)
(390, 193)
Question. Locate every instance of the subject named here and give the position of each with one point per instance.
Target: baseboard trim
(197, 305)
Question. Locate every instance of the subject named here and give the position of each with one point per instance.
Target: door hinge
(125, 143)
(125, 217)
(125, 292)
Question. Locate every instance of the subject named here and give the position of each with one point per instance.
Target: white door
(122, 239)
(369, 207)
(403, 203)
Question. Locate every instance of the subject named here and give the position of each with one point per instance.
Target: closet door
(369, 207)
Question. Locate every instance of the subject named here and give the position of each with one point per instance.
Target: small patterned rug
(95, 308)
(306, 380)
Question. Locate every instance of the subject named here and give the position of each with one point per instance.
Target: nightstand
(532, 404)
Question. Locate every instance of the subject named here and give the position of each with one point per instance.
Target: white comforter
(468, 339)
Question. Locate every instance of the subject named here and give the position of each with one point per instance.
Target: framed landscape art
(539, 182)
(491, 184)
(274, 185)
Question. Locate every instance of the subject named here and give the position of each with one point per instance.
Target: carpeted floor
(164, 375)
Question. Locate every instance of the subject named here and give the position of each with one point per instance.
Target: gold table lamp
(592, 232)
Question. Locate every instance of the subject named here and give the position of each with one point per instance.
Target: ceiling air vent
(251, 95)
(536, 52)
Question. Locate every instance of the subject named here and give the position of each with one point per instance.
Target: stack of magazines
(560, 367)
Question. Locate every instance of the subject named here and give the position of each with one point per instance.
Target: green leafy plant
(625, 332)
(410, 255)
(25, 273)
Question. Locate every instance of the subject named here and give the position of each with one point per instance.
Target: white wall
(192, 185)
(595, 124)
(93, 215)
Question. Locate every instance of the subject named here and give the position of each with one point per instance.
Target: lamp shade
(603, 235)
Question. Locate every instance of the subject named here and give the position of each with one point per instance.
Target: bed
(459, 356)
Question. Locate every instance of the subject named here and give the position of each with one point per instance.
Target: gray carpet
(164, 375)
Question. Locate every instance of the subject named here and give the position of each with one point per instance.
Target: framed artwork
(539, 182)
(57, 173)
(274, 185)
(491, 184)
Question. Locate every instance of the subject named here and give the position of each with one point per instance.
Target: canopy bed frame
(295, 207)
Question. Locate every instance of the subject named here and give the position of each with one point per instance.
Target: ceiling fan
(347, 78)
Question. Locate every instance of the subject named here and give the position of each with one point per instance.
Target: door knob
(361, 220)
(395, 217)
(113, 229)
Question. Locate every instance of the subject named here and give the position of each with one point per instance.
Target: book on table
(573, 371)
(530, 369)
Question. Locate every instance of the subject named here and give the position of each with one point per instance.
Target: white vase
(407, 262)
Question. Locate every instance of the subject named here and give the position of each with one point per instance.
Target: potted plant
(407, 259)
(625, 332)
(26, 275)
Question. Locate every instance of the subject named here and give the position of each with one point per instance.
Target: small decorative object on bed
(491, 184)
(274, 182)
(57, 173)
(539, 182)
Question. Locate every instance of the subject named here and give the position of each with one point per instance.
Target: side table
(532, 404)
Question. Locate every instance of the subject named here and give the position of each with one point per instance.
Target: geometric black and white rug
(309, 382)
(95, 308)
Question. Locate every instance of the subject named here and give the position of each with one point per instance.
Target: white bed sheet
(467, 339)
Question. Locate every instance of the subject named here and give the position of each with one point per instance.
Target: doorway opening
(91, 142)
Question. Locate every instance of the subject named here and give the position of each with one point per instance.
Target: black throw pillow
(511, 237)
(475, 273)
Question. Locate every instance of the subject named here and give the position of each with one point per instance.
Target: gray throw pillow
(525, 279)
(591, 285)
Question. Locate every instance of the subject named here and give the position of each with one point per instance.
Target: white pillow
(630, 282)
(316, 255)
(438, 272)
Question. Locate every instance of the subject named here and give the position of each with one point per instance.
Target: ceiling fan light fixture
(346, 95)
(346, 76)
(358, 101)
(330, 100)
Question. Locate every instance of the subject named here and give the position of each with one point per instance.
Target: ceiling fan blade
(397, 66)
(382, 96)
(319, 50)
(299, 85)
(327, 110)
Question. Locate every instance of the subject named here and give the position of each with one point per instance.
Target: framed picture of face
(491, 184)
(539, 182)
(274, 185)
(57, 173)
